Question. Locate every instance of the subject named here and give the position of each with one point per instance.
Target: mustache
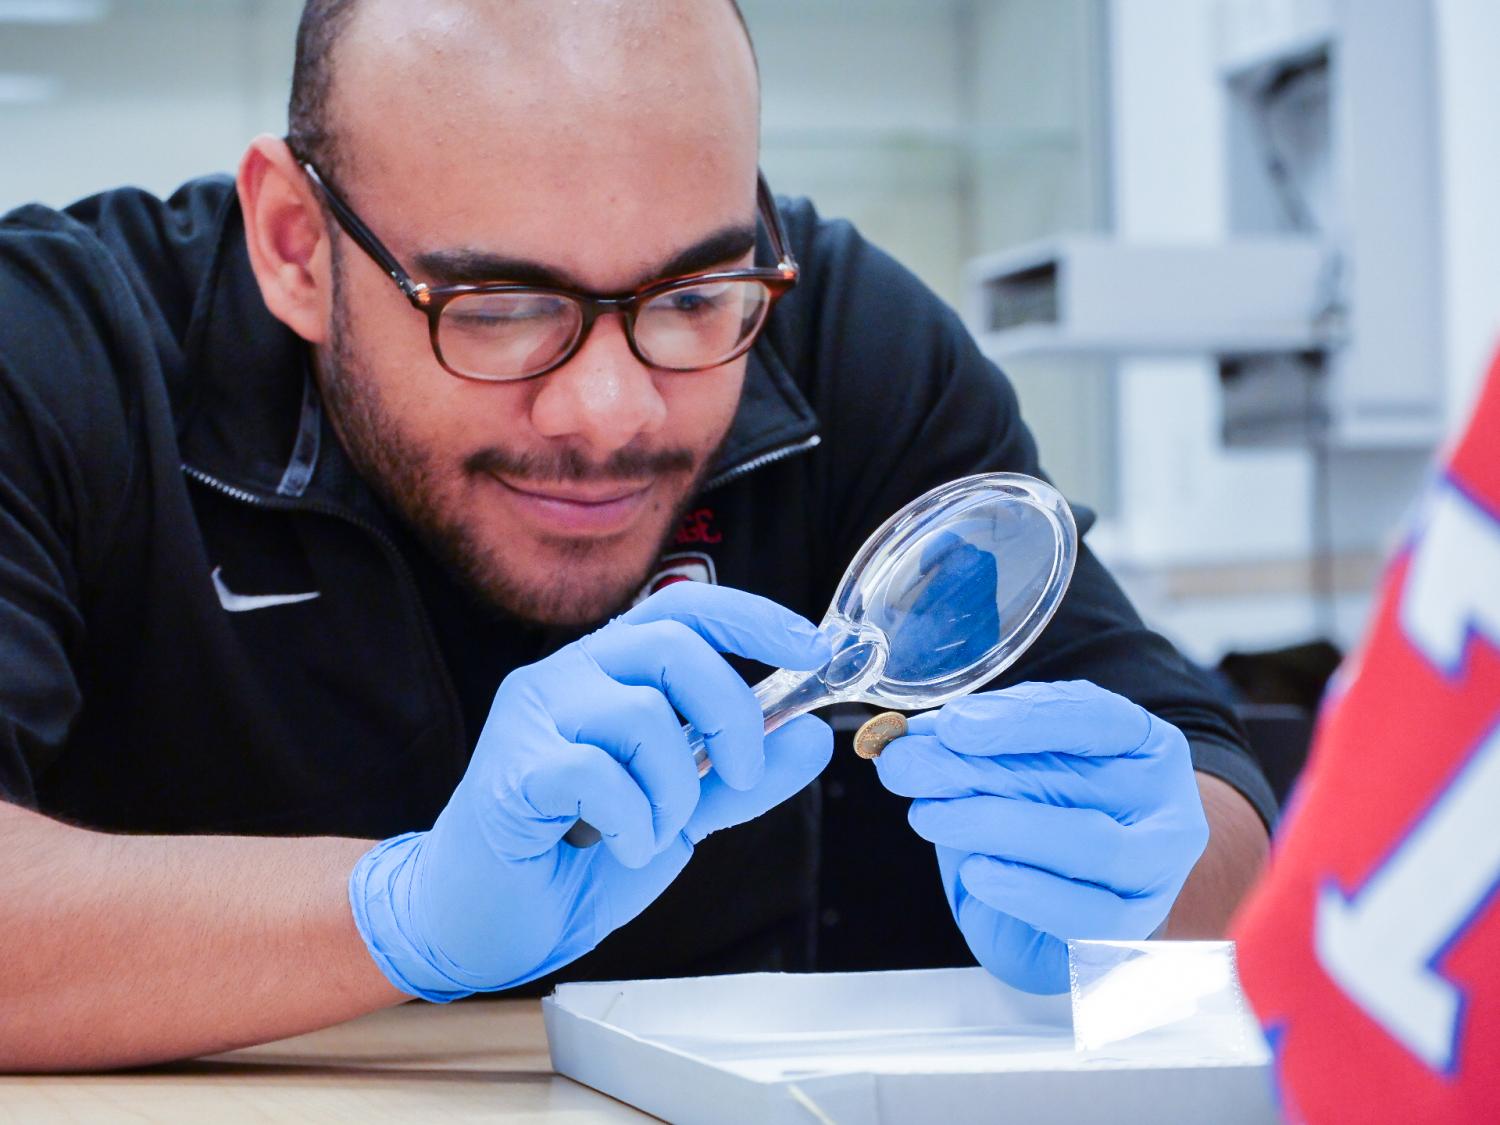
(571, 466)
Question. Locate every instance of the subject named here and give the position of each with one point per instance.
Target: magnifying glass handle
(782, 697)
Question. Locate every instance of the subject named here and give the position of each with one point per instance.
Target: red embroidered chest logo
(698, 527)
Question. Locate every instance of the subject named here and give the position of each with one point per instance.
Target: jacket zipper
(393, 554)
(747, 467)
(253, 499)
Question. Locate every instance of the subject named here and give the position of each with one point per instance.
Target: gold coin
(878, 732)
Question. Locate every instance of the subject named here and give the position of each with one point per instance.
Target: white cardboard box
(949, 1046)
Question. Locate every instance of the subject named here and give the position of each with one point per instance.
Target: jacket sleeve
(62, 472)
(908, 402)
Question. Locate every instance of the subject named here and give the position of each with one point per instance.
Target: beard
(572, 581)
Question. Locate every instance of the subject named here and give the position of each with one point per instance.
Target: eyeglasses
(499, 332)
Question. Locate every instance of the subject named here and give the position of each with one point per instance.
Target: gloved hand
(490, 897)
(947, 619)
(1059, 811)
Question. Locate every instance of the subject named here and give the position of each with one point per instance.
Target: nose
(603, 397)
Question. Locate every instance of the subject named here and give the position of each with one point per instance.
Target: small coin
(878, 732)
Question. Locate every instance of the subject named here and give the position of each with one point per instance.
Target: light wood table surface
(474, 1061)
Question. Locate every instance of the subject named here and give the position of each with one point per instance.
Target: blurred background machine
(1318, 306)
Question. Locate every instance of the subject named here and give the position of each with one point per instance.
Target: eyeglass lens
(515, 334)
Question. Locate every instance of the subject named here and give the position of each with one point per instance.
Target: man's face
(573, 152)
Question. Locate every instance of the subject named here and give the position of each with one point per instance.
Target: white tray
(951, 1046)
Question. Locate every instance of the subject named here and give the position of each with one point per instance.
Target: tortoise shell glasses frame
(759, 287)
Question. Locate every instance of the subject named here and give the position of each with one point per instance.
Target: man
(285, 498)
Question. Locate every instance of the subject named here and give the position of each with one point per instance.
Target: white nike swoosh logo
(245, 603)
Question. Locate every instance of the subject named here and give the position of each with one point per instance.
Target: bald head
(601, 50)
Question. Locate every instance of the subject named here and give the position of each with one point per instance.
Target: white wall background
(1468, 34)
(1188, 502)
(155, 93)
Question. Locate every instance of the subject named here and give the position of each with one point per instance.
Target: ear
(290, 249)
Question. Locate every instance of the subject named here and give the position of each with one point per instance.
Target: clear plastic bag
(1138, 1000)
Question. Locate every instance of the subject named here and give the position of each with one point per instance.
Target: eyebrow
(474, 267)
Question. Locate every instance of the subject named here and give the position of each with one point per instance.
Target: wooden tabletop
(480, 1060)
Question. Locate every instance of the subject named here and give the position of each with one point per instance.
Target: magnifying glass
(945, 595)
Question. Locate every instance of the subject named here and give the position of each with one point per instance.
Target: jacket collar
(773, 418)
(246, 407)
(250, 415)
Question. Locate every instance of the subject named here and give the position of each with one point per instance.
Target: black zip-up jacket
(157, 426)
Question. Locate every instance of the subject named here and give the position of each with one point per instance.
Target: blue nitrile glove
(1059, 811)
(947, 619)
(491, 897)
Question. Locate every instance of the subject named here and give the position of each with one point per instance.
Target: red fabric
(1384, 820)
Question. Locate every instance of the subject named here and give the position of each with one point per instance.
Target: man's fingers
(795, 755)
(1081, 844)
(737, 622)
(638, 728)
(582, 781)
(1018, 954)
(1076, 717)
(924, 723)
(918, 765)
(679, 664)
(1062, 907)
